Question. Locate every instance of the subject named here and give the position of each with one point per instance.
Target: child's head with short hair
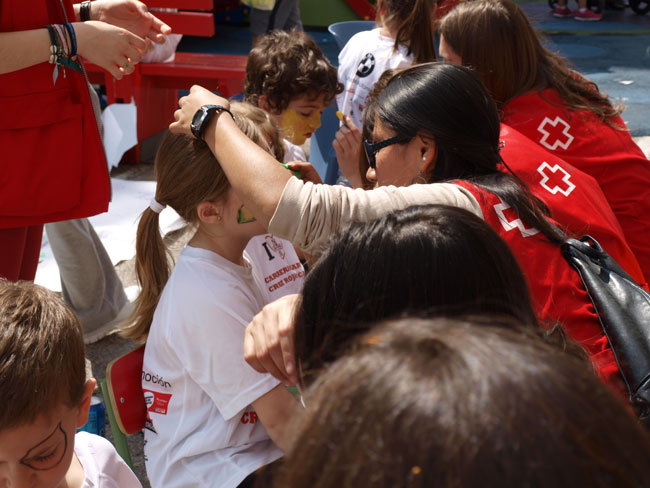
(44, 393)
(288, 76)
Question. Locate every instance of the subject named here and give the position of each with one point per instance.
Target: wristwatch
(202, 118)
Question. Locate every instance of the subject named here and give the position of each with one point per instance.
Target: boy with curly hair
(45, 397)
(288, 76)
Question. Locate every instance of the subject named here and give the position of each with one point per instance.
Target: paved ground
(619, 63)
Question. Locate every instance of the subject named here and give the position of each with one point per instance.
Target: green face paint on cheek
(297, 127)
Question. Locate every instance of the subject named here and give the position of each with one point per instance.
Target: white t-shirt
(103, 466)
(361, 62)
(198, 388)
(293, 152)
(277, 270)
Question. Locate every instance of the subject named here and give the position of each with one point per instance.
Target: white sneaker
(108, 328)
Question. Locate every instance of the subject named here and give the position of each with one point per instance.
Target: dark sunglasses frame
(371, 148)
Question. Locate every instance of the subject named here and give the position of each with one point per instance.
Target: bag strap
(590, 247)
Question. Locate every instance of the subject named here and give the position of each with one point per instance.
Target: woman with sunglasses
(437, 125)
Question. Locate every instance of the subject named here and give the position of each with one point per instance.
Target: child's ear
(209, 212)
(84, 406)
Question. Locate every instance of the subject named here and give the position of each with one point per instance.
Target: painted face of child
(39, 454)
(301, 118)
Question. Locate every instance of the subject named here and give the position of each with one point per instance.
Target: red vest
(52, 163)
(557, 293)
(610, 156)
(574, 198)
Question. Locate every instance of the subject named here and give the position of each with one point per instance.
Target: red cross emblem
(555, 133)
(515, 223)
(555, 179)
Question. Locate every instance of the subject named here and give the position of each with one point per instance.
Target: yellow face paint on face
(299, 126)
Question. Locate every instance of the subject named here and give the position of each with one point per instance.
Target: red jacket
(557, 292)
(52, 165)
(574, 198)
(610, 156)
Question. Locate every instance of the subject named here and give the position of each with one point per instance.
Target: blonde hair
(259, 126)
(187, 173)
(42, 353)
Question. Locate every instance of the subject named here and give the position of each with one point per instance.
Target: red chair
(124, 399)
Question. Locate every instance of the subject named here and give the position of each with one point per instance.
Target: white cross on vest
(555, 133)
(509, 225)
(550, 174)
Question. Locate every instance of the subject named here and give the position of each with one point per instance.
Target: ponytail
(153, 263)
(187, 174)
(413, 23)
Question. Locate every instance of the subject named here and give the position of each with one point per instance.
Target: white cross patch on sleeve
(555, 133)
(550, 174)
(509, 225)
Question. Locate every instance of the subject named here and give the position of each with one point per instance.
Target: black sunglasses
(371, 148)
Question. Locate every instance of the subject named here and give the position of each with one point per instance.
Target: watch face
(197, 119)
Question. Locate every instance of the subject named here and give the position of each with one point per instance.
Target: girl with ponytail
(212, 420)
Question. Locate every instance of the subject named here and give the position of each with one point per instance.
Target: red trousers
(20, 248)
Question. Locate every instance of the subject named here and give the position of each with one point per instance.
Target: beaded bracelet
(55, 49)
(84, 11)
(63, 47)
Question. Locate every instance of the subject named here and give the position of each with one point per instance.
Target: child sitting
(213, 421)
(288, 76)
(46, 397)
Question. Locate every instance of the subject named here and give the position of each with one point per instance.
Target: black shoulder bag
(623, 308)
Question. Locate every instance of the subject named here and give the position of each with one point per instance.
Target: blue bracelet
(73, 38)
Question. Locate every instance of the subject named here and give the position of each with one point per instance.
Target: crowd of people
(432, 329)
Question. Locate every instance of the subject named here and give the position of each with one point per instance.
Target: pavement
(615, 54)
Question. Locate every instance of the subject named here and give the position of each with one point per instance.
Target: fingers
(259, 351)
(268, 341)
(158, 30)
(307, 171)
(289, 360)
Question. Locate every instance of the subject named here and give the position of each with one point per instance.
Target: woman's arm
(303, 213)
(274, 410)
(103, 44)
(130, 15)
(308, 214)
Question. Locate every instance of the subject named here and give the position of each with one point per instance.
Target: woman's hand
(131, 15)
(113, 48)
(347, 144)
(268, 343)
(307, 171)
(189, 104)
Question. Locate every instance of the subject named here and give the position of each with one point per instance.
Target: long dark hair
(468, 402)
(450, 104)
(423, 260)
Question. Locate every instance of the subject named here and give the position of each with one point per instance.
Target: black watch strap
(84, 11)
(206, 113)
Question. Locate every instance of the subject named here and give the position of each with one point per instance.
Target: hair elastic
(156, 206)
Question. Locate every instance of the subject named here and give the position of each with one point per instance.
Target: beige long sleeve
(308, 214)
